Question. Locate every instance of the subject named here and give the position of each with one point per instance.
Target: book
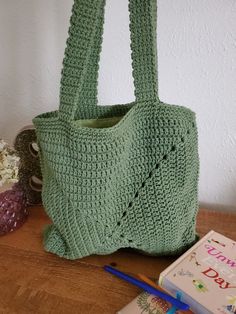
(146, 303)
(205, 275)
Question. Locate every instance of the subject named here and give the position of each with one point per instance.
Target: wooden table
(33, 281)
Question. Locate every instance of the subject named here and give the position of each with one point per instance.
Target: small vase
(13, 209)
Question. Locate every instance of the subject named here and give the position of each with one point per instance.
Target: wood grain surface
(34, 281)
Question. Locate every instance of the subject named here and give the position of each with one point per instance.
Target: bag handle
(78, 93)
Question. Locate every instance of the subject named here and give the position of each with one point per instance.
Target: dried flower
(9, 164)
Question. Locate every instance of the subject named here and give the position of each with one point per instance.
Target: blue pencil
(180, 305)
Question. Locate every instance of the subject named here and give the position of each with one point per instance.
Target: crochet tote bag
(123, 175)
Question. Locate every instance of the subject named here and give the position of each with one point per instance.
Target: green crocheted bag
(116, 176)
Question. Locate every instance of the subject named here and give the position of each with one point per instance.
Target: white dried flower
(2, 145)
(9, 164)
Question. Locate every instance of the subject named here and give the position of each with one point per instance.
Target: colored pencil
(180, 305)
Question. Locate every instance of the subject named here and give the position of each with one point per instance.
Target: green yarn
(116, 176)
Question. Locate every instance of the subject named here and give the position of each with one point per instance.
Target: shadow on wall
(225, 198)
(32, 37)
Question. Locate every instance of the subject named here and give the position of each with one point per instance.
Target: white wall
(197, 68)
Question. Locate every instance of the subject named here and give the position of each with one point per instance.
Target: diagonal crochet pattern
(116, 176)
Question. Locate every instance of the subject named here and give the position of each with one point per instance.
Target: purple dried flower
(13, 209)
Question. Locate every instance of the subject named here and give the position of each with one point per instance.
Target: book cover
(148, 304)
(205, 275)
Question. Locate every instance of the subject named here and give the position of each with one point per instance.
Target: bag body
(116, 176)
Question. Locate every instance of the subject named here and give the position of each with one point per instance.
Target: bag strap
(78, 94)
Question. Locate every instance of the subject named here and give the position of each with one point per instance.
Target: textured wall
(197, 68)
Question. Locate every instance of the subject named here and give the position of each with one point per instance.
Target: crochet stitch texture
(116, 176)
